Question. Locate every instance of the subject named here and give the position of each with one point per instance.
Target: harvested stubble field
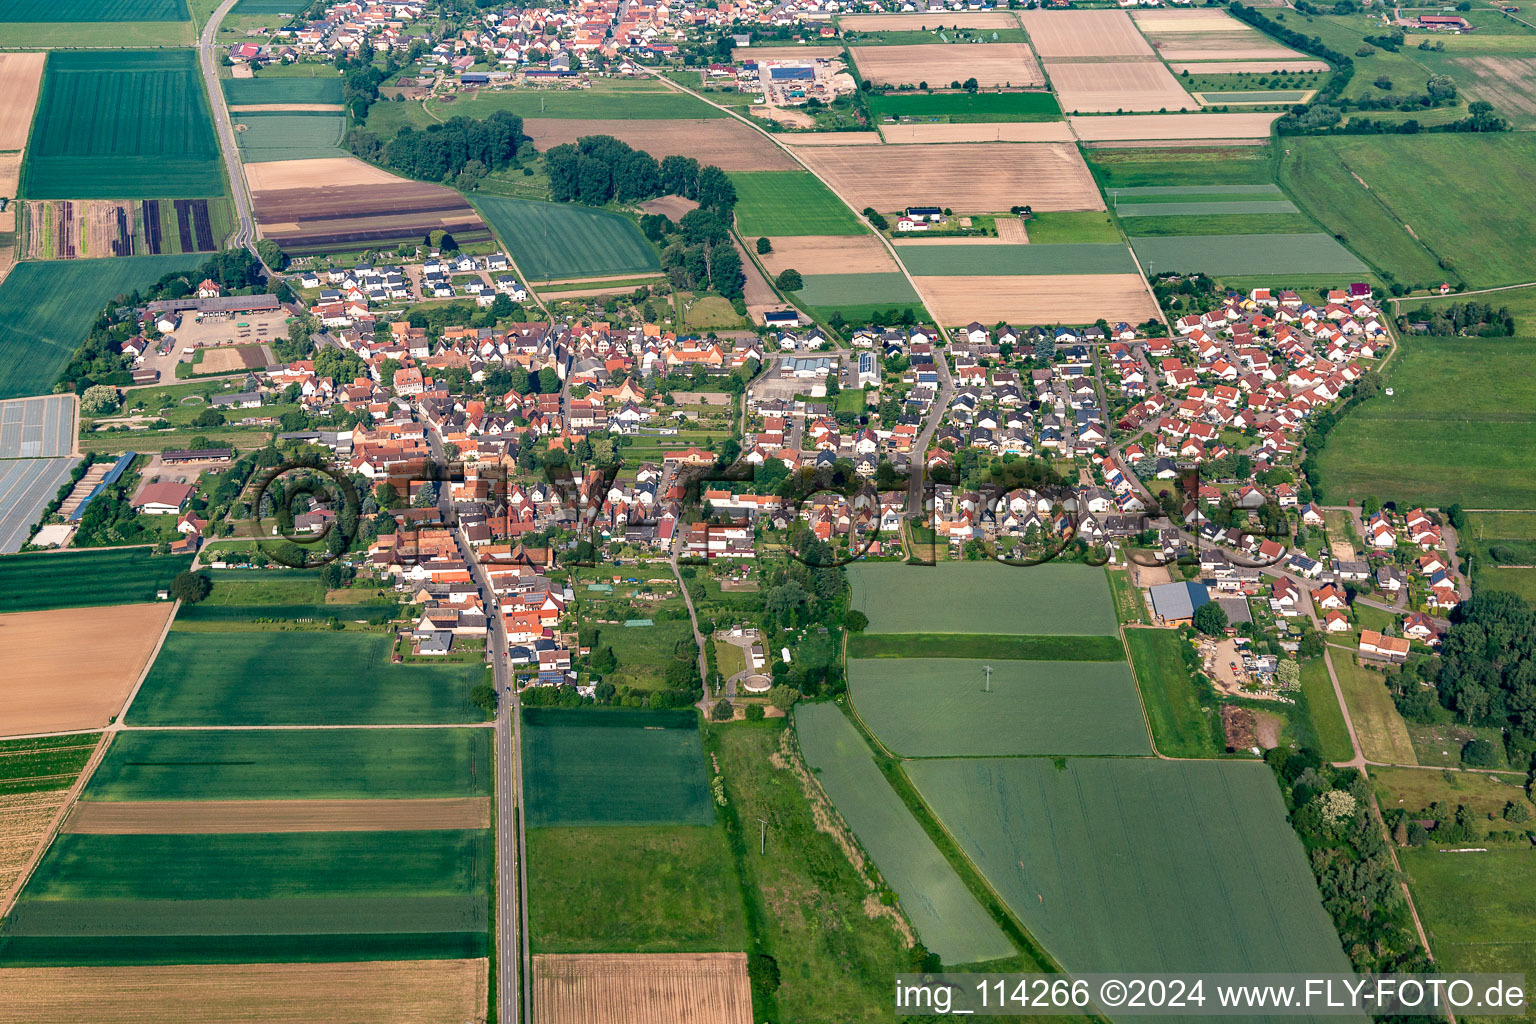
(376, 992)
(284, 175)
(728, 144)
(53, 683)
(1016, 260)
(910, 22)
(975, 597)
(642, 988)
(946, 915)
(1094, 34)
(797, 139)
(988, 131)
(196, 817)
(970, 178)
(1038, 299)
(1154, 127)
(21, 76)
(949, 707)
(849, 254)
(1139, 864)
(1201, 34)
(1009, 65)
(1114, 86)
(24, 821)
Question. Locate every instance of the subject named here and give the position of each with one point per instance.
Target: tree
(721, 711)
(790, 280)
(1289, 674)
(1210, 619)
(191, 587)
(98, 398)
(783, 697)
(755, 713)
(549, 381)
(764, 247)
(483, 696)
(855, 621)
(208, 418)
(604, 661)
(1480, 753)
(272, 254)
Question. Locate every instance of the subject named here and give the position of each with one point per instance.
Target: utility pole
(988, 670)
(762, 848)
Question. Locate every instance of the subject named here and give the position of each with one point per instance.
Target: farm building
(178, 456)
(162, 499)
(1176, 602)
(1444, 23)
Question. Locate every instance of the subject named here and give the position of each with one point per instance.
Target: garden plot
(1116, 86)
(1091, 34)
(993, 65)
(1038, 299)
(970, 178)
(1182, 127)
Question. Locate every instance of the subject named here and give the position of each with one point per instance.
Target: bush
(191, 587)
(783, 697)
(790, 280)
(764, 247)
(721, 711)
(1480, 754)
(99, 398)
(755, 712)
(483, 696)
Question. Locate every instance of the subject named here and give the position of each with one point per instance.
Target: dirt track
(72, 668)
(642, 988)
(417, 992)
(206, 817)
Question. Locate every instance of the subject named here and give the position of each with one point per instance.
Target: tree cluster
(1477, 319)
(596, 169)
(697, 253)
(1488, 663)
(442, 152)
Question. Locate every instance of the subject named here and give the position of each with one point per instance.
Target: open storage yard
(1039, 299)
(642, 988)
(1138, 864)
(1093, 34)
(108, 121)
(1111, 87)
(728, 144)
(70, 579)
(975, 178)
(54, 683)
(565, 240)
(977, 597)
(993, 65)
(378, 992)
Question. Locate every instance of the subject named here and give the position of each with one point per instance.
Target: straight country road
(207, 53)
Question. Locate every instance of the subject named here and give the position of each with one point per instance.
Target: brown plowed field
(72, 668)
(1041, 299)
(1237, 67)
(24, 819)
(918, 22)
(991, 64)
(342, 216)
(196, 817)
(1117, 85)
(669, 206)
(728, 144)
(969, 178)
(1011, 230)
(642, 988)
(1172, 126)
(830, 254)
(384, 992)
(1084, 34)
(830, 138)
(993, 131)
(1232, 47)
(21, 76)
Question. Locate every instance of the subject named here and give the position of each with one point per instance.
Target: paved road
(917, 469)
(208, 52)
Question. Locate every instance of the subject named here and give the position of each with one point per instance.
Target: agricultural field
(35, 776)
(976, 597)
(293, 765)
(976, 131)
(1205, 35)
(1151, 128)
(1479, 908)
(960, 260)
(838, 291)
(641, 99)
(104, 23)
(976, 178)
(263, 91)
(1117, 87)
(1039, 299)
(46, 310)
(1485, 794)
(107, 120)
(70, 229)
(964, 108)
(238, 817)
(919, 707)
(642, 988)
(947, 917)
(993, 65)
(1503, 542)
(728, 144)
(787, 203)
(71, 579)
(1330, 733)
(1180, 726)
(1245, 254)
(55, 684)
(1197, 165)
(268, 135)
(381, 992)
(1378, 726)
(328, 678)
(850, 254)
(1084, 34)
(1455, 430)
(592, 243)
(614, 768)
(1381, 192)
(990, 21)
(973, 645)
(642, 889)
(1139, 864)
(251, 897)
(358, 207)
(21, 77)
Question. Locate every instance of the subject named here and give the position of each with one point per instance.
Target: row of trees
(443, 152)
(1479, 319)
(596, 169)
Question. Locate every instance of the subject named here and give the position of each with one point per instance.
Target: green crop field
(216, 613)
(1180, 727)
(243, 91)
(971, 645)
(614, 768)
(773, 203)
(300, 135)
(298, 678)
(1246, 96)
(622, 99)
(1118, 169)
(1245, 254)
(559, 240)
(977, 597)
(1458, 428)
(1034, 258)
(44, 762)
(98, 899)
(107, 23)
(294, 764)
(1479, 908)
(1221, 224)
(1480, 227)
(629, 889)
(1330, 731)
(962, 107)
(1200, 207)
(71, 579)
(263, 7)
(1071, 227)
(126, 124)
(46, 310)
(920, 707)
(947, 917)
(828, 290)
(94, 10)
(1138, 864)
